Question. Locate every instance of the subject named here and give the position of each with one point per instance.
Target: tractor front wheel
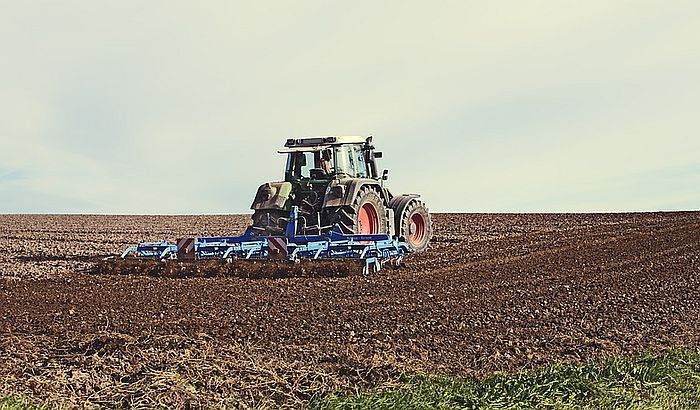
(415, 226)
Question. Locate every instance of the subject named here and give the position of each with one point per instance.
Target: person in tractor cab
(326, 163)
(312, 164)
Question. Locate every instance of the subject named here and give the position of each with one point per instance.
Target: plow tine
(254, 269)
(128, 250)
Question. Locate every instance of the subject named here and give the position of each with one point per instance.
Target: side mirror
(378, 154)
(385, 175)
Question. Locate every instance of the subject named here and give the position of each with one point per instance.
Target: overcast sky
(489, 106)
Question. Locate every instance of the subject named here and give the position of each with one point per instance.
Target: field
(492, 293)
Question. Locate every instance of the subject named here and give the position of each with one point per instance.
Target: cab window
(361, 164)
(342, 160)
(310, 164)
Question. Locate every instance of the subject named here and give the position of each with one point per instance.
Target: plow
(332, 214)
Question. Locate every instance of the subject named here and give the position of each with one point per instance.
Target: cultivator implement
(368, 252)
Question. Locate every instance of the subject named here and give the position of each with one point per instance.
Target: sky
(168, 107)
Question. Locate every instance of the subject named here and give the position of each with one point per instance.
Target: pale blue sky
(490, 106)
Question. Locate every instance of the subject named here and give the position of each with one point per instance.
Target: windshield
(310, 165)
(326, 163)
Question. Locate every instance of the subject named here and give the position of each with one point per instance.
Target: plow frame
(373, 250)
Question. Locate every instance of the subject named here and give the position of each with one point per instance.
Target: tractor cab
(317, 164)
(325, 158)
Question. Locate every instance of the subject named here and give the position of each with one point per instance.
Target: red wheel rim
(416, 229)
(369, 220)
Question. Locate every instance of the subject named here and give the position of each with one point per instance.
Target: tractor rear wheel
(270, 222)
(366, 215)
(414, 226)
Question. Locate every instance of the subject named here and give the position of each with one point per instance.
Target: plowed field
(492, 293)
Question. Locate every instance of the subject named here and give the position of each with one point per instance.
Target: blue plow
(371, 250)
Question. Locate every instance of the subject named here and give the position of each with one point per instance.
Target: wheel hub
(416, 229)
(368, 219)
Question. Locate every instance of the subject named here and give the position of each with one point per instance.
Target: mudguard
(272, 195)
(343, 192)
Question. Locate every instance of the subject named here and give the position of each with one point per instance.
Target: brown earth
(492, 293)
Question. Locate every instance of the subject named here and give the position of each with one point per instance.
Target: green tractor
(335, 181)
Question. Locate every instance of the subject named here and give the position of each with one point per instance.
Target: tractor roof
(323, 141)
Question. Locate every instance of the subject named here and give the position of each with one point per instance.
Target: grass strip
(649, 381)
(12, 403)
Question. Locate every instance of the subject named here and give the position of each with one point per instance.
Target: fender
(272, 195)
(341, 193)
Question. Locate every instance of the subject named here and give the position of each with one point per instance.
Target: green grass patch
(12, 403)
(23, 403)
(648, 381)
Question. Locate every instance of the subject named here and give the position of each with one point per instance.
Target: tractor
(334, 181)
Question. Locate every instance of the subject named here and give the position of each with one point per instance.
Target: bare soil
(492, 293)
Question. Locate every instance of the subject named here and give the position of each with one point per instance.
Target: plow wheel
(415, 226)
(367, 214)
